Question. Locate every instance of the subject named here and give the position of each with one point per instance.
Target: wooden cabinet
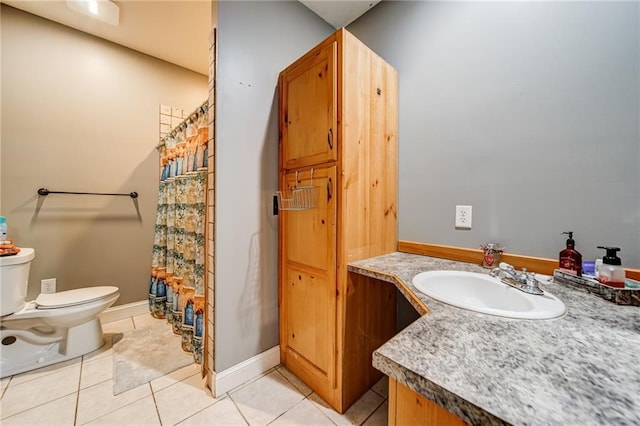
(308, 283)
(408, 408)
(338, 133)
(309, 91)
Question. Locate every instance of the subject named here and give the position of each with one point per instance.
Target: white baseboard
(119, 312)
(241, 373)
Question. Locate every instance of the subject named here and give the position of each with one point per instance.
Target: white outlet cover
(48, 286)
(463, 217)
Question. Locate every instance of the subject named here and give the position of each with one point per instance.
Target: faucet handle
(532, 283)
(505, 266)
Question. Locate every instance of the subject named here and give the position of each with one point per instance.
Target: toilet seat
(64, 299)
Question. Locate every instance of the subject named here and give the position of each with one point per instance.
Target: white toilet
(52, 328)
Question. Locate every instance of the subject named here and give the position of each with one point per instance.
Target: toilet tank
(14, 280)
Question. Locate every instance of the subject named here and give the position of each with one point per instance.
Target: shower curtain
(177, 285)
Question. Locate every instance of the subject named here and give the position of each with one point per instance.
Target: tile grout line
(374, 410)
(36, 406)
(238, 408)
(314, 404)
(293, 384)
(155, 403)
(52, 371)
(6, 387)
(216, 400)
(99, 383)
(119, 407)
(75, 414)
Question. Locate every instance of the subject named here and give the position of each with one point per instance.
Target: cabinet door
(308, 110)
(308, 282)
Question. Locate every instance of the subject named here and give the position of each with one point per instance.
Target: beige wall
(81, 114)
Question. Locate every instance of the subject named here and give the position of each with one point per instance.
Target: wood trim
(536, 264)
(406, 407)
(393, 402)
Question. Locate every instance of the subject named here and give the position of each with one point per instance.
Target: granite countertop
(580, 369)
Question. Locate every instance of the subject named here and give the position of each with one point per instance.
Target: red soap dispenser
(570, 261)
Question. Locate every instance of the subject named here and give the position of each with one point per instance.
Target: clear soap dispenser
(611, 272)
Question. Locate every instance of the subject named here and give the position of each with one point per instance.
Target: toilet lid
(78, 296)
(25, 255)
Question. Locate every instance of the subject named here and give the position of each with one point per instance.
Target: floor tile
(380, 417)
(31, 394)
(96, 371)
(59, 412)
(303, 413)
(222, 413)
(295, 381)
(99, 400)
(104, 350)
(266, 399)
(118, 326)
(145, 320)
(141, 412)
(356, 414)
(175, 377)
(41, 372)
(183, 399)
(382, 387)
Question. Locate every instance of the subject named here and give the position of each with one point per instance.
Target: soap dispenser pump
(570, 260)
(611, 272)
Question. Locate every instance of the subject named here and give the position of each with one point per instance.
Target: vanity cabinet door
(308, 274)
(308, 116)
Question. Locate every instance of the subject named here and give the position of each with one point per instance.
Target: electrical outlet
(48, 286)
(463, 217)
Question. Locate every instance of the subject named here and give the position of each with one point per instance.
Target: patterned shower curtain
(177, 286)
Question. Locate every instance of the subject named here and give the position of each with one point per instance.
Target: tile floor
(80, 391)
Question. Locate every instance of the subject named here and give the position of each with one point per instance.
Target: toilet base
(18, 353)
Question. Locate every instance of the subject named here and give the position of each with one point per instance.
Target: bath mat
(145, 354)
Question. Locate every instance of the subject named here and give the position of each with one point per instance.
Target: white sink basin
(486, 294)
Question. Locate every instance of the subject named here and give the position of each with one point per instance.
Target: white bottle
(611, 272)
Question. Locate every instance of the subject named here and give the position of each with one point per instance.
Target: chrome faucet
(523, 281)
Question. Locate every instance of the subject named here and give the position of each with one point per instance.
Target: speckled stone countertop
(580, 369)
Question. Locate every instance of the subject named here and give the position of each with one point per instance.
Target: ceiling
(339, 13)
(148, 26)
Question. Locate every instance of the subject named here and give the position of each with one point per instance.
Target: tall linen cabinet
(338, 135)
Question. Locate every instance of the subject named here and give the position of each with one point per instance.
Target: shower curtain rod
(44, 192)
(201, 109)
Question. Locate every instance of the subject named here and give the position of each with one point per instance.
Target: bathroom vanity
(454, 366)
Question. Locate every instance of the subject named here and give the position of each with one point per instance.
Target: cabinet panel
(311, 314)
(310, 234)
(309, 116)
(406, 407)
(308, 281)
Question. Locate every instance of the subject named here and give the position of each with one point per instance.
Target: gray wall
(81, 114)
(256, 40)
(528, 111)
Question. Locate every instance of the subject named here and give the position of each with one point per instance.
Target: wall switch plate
(48, 286)
(463, 217)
